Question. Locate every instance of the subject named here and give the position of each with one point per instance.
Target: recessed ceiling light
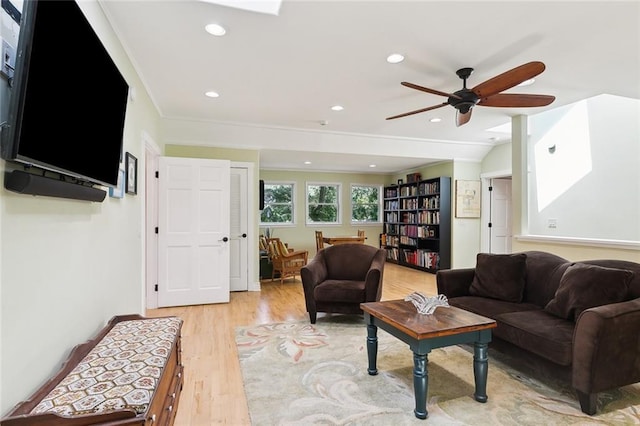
(212, 94)
(395, 58)
(215, 29)
(307, 162)
(337, 108)
(527, 82)
(372, 165)
(435, 120)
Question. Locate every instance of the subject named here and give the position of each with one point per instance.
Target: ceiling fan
(487, 93)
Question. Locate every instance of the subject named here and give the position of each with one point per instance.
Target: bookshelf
(417, 224)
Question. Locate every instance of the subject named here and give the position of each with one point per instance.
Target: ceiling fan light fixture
(395, 58)
(215, 29)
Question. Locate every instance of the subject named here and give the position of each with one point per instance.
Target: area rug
(296, 373)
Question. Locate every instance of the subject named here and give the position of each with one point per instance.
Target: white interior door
(239, 228)
(500, 232)
(193, 231)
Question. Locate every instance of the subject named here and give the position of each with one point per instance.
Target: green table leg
(480, 368)
(420, 384)
(372, 348)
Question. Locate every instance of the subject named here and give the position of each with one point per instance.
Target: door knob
(244, 235)
(225, 239)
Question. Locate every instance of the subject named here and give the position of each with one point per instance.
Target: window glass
(278, 203)
(365, 203)
(323, 204)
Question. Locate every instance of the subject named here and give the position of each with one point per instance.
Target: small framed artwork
(467, 198)
(400, 182)
(131, 165)
(118, 192)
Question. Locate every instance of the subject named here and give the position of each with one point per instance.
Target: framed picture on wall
(131, 165)
(467, 198)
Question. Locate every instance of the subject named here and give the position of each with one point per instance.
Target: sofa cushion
(585, 286)
(544, 271)
(343, 290)
(490, 307)
(539, 332)
(499, 276)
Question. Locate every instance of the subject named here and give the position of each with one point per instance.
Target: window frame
(338, 221)
(379, 188)
(293, 205)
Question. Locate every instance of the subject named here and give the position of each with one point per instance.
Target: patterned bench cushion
(121, 371)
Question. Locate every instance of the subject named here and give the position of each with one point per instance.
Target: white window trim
(306, 204)
(293, 205)
(372, 185)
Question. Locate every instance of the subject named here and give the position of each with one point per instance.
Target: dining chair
(286, 263)
(319, 241)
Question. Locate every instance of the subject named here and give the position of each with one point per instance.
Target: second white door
(239, 229)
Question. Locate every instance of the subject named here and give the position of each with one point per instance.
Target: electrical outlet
(552, 223)
(8, 59)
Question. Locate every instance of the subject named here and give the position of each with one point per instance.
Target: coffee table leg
(480, 368)
(372, 348)
(420, 384)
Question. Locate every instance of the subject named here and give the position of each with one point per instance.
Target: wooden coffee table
(447, 326)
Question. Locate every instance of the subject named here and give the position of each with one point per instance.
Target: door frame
(152, 153)
(485, 205)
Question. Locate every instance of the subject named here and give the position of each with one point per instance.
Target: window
(278, 204)
(365, 203)
(323, 203)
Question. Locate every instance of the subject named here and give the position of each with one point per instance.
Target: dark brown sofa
(342, 276)
(584, 316)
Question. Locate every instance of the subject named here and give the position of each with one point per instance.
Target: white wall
(68, 266)
(584, 172)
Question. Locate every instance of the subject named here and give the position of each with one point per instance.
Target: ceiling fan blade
(463, 118)
(515, 100)
(418, 111)
(432, 91)
(508, 79)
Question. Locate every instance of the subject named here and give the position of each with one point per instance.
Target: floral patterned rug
(299, 373)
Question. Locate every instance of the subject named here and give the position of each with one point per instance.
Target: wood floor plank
(213, 393)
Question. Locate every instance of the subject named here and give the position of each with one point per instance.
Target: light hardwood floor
(213, 393)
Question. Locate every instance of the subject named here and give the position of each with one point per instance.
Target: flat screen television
(68, 99)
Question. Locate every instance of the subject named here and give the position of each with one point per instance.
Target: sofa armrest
(454, 282)
(373, 279)
(605, 347)
(313, 273)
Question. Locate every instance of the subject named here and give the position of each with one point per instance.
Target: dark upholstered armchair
(341, 277)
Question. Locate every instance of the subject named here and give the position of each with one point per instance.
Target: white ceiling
(284, 72)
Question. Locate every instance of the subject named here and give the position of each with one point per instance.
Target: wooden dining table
(346, 239)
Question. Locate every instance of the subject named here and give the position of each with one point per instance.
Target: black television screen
(68, 98)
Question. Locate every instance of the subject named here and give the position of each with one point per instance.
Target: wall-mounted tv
(67, 99)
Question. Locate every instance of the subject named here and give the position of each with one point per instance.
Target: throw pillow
(584, 286)
(499, 276)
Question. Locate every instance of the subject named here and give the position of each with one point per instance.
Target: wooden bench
(129, 374)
